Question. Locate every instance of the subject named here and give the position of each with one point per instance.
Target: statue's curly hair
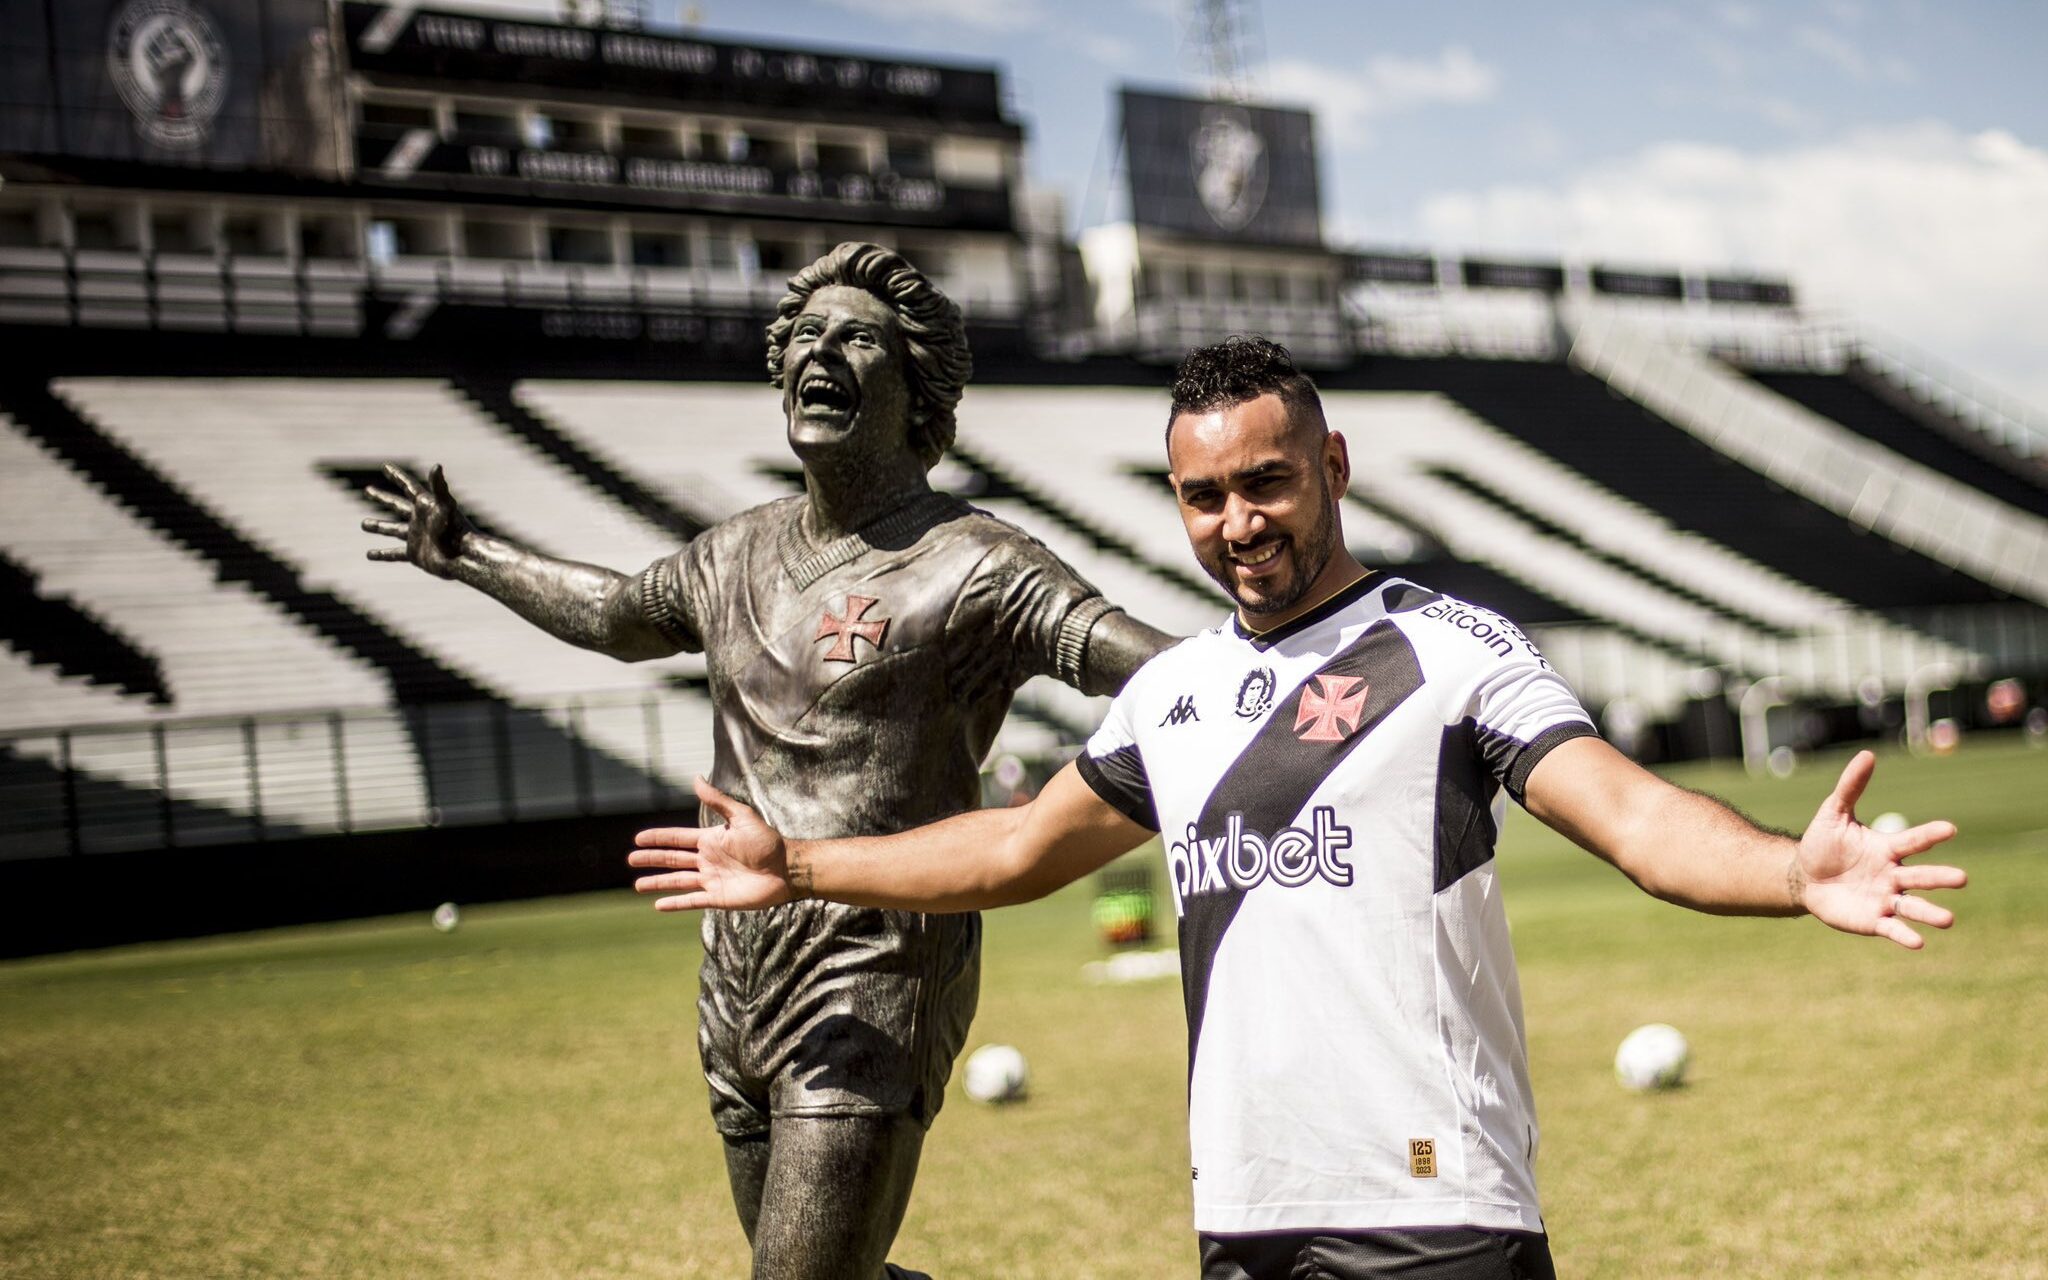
(938, 364)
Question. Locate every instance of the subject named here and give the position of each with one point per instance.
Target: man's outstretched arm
(584, 604)
(969, 862)
(1695, 851)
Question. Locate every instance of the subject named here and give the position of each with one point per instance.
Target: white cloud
(1834, 49)
(1783, 112)
(1107, 50)
(988, 15)
(1348, 100)
(1845, 56)
(1927, 232)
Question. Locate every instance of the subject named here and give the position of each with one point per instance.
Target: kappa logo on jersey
(856, 625)
(1333, 711)
(1256, 693)
(1239, 859)
(1182, 712)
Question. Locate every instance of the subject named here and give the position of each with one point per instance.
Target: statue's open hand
(432, 527)
(741, 866)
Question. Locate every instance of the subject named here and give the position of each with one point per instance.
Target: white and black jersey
(1328, 796)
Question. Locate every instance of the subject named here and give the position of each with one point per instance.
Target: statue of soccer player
(864, 641)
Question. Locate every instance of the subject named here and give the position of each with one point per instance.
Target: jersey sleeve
(1114, 768)
(668, 598)
(1521, 711)
(1028, 605)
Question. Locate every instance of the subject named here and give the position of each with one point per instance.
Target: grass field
(521, 1097)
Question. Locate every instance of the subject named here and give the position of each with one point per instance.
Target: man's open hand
(741, 866)
(1855, 879)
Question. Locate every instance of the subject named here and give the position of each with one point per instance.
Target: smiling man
(1359, 1096)
(864, 640)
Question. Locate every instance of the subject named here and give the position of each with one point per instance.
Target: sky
(1890, 156)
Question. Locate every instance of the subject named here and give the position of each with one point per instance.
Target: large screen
(224, 84)
(1221, 170)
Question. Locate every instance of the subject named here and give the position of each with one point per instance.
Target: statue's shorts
(818, 1009)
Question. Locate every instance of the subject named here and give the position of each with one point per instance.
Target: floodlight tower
(1220, 34)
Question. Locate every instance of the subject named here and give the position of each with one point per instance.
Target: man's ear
(1337, 458)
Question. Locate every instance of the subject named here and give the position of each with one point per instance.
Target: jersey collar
(1263, 640)
(807, 563)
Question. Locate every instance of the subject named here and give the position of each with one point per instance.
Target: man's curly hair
(938, 364)
(1243, 367)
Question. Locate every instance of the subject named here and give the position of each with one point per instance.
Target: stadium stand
(51, 630)
(718, 446)
(1490, 498)
(182, 519)
(242, 635)
(256, 448)
(1573, 418)
(1871, 487)
(1689, 490)
(580, 473)
(220, 647)
(497, 397)
(1853, 399)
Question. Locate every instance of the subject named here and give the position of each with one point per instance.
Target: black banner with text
(402, 39)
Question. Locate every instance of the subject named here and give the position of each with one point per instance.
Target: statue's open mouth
(825, 394)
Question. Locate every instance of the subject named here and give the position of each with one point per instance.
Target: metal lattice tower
(1221, 37)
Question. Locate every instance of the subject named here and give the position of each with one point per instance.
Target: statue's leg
(746, 1168)
(835, 1194)
(853, 1018)
(739, 1098)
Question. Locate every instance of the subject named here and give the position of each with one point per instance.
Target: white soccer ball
(996, 1073)
(1651, 1057)
(447, 916)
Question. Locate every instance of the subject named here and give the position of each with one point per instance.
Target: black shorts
(817, 1009)
(1419, 1253)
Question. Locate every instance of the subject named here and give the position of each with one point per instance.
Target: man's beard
(1307, 558)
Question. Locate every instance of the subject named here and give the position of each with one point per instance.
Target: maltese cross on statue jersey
(855, 625)
(1333, 705)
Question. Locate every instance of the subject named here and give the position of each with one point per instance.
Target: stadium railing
(172, 783)
(1162, 331)
(1408, 322)
(2017, 425)
(276, 294)
(1827, 344)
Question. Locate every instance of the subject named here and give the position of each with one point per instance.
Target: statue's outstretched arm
(585, 604)
(1118, 645)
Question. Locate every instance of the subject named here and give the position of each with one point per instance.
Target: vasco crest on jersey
(1255, 694)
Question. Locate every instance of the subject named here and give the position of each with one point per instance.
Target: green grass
(521, 1098)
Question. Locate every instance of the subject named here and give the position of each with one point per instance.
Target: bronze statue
(864, 641)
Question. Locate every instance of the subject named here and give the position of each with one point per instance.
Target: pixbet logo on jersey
(1239, 859)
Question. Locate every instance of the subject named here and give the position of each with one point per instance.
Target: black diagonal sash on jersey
(1270, 781)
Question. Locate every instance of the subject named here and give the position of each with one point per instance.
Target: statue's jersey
(857, 688)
